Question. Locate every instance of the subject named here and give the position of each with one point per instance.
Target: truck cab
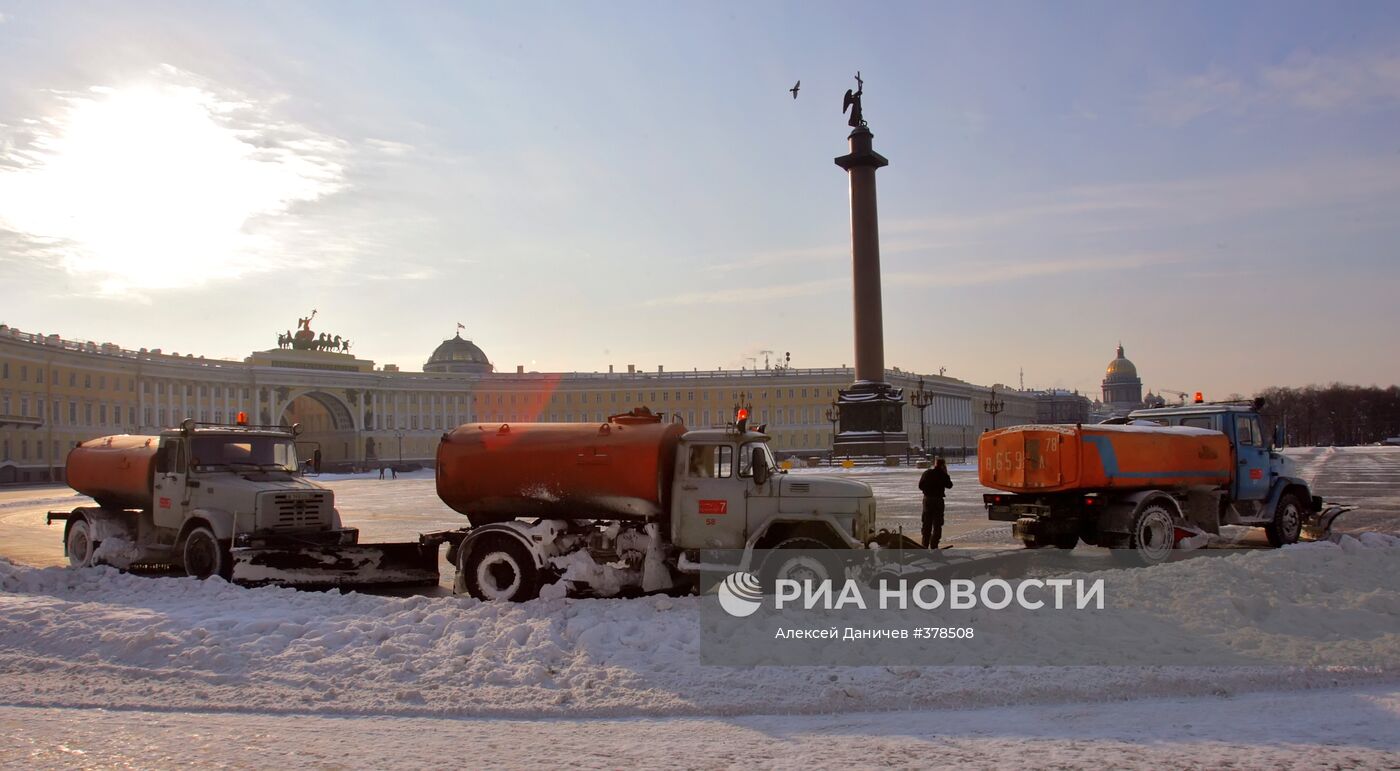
(243, 485)
(189, 496)
(222, 500)
(730, 494)
(1262, 477)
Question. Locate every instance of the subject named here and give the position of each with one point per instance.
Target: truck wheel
(1025, 530)
(203, 556)
(80, 545)
(1152, 538)
(815, 563)
(1067, 541)
(1288, 522)
(499, 569)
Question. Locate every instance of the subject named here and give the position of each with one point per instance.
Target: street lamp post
(994, 407)
(398, 432)
(921, 399)
(833, 415)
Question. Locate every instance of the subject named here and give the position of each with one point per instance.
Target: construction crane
(1182, 395)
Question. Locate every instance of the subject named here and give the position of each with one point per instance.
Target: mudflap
(376, 564)
(1318, 527)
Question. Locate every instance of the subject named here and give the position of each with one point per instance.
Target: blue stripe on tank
(1110, 465)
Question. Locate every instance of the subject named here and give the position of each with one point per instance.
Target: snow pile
(116, 551)
(96, 637)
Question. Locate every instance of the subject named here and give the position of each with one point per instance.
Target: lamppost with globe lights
(921, 399)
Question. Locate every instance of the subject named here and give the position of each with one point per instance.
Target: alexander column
(872, 414)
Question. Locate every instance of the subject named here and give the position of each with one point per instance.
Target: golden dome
(1120, 368)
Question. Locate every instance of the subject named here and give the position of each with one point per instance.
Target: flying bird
(795, 89)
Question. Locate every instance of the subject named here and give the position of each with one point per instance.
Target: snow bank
(96, 637)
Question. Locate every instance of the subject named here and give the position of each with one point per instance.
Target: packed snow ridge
(97, 637)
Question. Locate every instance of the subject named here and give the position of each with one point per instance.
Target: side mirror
(1278, 436)
(759, 464)
(163, 460)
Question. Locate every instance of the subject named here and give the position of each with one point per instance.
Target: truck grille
(293, 511)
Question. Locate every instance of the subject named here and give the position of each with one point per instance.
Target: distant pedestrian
(381, 471)
(932, 484)
(395, 471)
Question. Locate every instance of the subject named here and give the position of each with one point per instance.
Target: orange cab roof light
(1200, 398)
(241, 419)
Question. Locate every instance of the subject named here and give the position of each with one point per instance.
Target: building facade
(1061, 406)
(55, 392)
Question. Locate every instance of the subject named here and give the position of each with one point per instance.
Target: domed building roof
(458, 355)
(1120, 369)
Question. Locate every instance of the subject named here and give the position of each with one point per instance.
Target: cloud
(1092, 210)
(796, 257)
(389, 147)
(974, 274)
(967, 274)
(1182, 101)
(163, 183)
(1304, 80)
(1048, 234)
(1314, 82)
(750, 294)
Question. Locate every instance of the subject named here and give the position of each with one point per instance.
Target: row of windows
(653, 397)
(22, 371)
(24, 446)
(163, 388)
(20, 407)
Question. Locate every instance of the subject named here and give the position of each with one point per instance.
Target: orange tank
(116, 471)
(621, 469)
(1054, 458)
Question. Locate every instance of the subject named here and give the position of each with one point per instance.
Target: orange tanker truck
(1143, 483)
(222, 500)
(629, 505)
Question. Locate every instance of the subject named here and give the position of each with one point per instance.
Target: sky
(1217, 186)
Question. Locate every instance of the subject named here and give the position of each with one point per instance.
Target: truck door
(168, 506)
(1251, 459)
(708, 510)
(760, 501)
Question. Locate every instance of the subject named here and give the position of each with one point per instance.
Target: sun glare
(160, 185)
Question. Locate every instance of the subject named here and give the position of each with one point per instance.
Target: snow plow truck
(629, 507)
(1146, 483)
(225, 500)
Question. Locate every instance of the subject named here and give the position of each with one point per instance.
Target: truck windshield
(746, 458)
(240, 451)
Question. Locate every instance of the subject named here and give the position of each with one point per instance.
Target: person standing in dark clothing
(932, 484)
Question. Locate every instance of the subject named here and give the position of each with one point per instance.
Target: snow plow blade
(1318, 527)
(376, 564)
